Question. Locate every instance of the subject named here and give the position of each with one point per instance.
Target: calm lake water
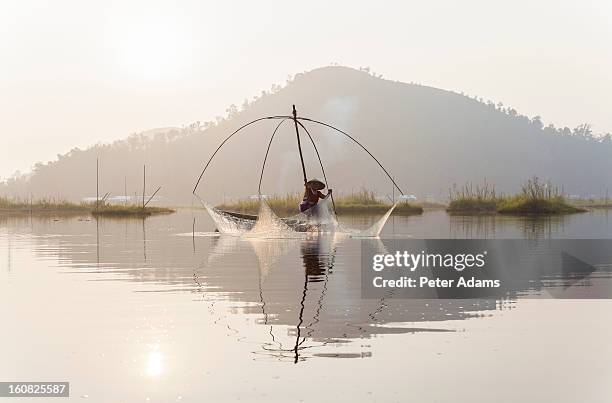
(140, 310)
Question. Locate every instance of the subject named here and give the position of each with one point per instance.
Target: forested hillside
(426, 137)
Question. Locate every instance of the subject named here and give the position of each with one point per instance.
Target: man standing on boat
(312, 194)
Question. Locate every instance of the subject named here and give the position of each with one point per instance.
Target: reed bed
(536, 197)
(61, 206)
(45, 204)
(133, 210)
(282, 205)
(473, 199)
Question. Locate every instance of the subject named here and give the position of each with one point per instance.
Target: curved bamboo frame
(297, 120)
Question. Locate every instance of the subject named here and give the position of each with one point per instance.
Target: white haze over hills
(429, 139)
(76, 73)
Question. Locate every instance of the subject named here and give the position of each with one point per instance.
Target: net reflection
(308, 297)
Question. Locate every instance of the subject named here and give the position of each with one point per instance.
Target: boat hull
(249, 220)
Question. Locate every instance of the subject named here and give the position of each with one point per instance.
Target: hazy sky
(74, 73)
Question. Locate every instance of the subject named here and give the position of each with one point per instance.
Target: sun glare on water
(154, 363)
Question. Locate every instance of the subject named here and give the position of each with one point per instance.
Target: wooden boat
(247, 221)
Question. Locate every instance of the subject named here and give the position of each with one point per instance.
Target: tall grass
(363, 197)
(536, 197)
(279, 204)
(129, 210)
(56, 205)
(365, 202)
(42, 204)
(473, 198)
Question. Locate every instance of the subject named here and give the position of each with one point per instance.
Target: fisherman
(312, 194)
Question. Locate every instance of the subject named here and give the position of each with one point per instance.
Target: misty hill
(426, 137)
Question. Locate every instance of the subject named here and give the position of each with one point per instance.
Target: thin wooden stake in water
(125, 189)
(97, 183)
(152, 196)
(144, 184)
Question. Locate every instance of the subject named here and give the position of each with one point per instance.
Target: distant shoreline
(61, 207)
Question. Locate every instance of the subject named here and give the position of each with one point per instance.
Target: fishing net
(373, 231)
(228, 224)
(318, 219)
(268, 225)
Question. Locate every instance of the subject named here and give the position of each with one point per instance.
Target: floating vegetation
(536, 197)
(473, 199)
(46, 204)
(130, 210)
(60, 206)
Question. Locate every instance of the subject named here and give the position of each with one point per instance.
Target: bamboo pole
(144, 184)
(152, 196)
(97, 183)
(297, 133)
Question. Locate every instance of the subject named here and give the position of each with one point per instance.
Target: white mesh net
(229, 224)
(318, 219)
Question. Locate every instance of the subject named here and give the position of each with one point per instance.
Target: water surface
(141, 310)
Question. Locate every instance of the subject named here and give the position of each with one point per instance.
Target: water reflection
(154, 362)
(318, 265)
(480, 226)
(308, 296)
(486, 226)
(304, 296)
(534, 227)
